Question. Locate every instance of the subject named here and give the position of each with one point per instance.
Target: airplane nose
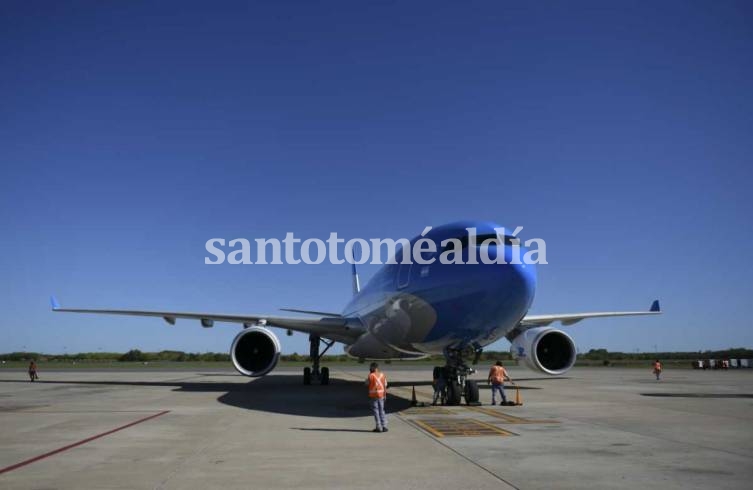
(517, 283)
(526, 278)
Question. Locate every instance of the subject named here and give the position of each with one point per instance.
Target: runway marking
(430, 410)
(426, 427)
(79, 443)
(459, 427)
(511, 419)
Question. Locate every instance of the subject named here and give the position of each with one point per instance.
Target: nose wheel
(457, 385)
(315, 372)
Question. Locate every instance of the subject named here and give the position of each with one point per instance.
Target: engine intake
(255, 351)
(545, 349)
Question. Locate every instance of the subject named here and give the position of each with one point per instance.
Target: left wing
(337, 328)
(530, 321)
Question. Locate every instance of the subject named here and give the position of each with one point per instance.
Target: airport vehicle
(408, 311)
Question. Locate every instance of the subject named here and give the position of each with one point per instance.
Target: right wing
(531, 321)
(337, 328)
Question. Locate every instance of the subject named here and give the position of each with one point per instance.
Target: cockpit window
(480, 239)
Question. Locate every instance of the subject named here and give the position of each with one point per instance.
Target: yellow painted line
(430, 410)
(511, 419)
(494, 428)
(460, 427)
(427, 428)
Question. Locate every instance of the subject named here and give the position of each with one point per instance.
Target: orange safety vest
(377, 385)
(497, 374)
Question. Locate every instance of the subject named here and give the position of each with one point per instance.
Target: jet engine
(545, 349)
(255, 351)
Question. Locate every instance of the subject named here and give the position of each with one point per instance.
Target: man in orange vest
(33, 370)
(377, 383)
(497, 376)
(657, 369)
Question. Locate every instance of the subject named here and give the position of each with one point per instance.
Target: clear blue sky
(131, 133)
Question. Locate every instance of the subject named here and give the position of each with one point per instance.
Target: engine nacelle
(545, 349)
(255, 351)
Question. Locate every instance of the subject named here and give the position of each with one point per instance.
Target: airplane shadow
(282, 394)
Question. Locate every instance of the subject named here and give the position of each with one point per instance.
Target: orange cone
(518, 398)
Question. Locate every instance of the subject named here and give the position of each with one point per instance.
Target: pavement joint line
(653, 435)
(79, 443)
(458, 453)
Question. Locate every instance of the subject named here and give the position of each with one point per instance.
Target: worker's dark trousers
(377, 406)
(498, 387)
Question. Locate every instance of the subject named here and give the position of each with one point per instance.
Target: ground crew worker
(657, 369)
(33, 371)
(497, 376)
(377, 383)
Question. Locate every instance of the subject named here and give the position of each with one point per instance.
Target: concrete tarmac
(594, 428)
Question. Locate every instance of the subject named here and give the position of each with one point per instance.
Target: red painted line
(79, 443)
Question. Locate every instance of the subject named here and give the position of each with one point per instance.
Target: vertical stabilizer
(356, 281)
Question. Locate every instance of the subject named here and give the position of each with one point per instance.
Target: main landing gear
(455, 373)
(315, 356)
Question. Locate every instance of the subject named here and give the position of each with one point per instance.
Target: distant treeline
(604, 355)
(136, 355)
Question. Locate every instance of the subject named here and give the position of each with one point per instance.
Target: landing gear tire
(307, 376)
(471, 392)
(324, 377)
(454, 393)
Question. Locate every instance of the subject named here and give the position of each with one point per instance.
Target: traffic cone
(518, 398)
(413, 401)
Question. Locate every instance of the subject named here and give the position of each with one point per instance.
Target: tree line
(604, 355)
(135, 355)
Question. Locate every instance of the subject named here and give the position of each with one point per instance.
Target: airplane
(411, 311)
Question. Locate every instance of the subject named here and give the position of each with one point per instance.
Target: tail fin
(356, 280)
(655, 306)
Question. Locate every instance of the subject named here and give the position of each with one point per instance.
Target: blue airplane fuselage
(411, 310)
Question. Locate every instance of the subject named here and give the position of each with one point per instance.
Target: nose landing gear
(457, 385)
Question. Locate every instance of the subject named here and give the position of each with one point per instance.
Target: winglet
(54, 303)
(655, 306)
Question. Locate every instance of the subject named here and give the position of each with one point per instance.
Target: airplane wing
(333, 327)
(531, 321)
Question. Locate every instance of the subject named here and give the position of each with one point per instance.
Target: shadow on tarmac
(282, 394)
